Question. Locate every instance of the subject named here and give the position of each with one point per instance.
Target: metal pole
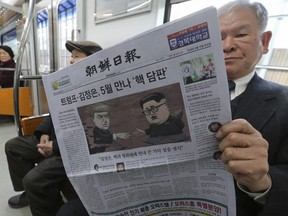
(23, 41)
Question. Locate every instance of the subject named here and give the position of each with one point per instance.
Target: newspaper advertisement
(136, 123)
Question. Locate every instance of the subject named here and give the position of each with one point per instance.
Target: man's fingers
(239, 140)
(236, 155)
(237, 125)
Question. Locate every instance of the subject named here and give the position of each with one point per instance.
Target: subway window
(43, 39)
(67, 23)
(10, 39)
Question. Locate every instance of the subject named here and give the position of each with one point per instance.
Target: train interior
(37, 31)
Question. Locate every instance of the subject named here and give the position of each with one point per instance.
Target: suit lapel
(258, 97)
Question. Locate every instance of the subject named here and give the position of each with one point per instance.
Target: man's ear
(266, 37)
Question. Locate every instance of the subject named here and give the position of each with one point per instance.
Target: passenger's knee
(10, 145)
(30, 180)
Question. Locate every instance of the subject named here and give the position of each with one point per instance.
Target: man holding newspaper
(254, 149)
(254, 145)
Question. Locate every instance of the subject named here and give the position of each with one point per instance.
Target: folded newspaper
(136, 123)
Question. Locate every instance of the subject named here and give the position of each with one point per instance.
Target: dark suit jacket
(265, 105)
(102, 136)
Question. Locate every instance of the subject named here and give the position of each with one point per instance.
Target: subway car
(37, 31)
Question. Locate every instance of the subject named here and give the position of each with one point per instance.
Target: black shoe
(18, 201)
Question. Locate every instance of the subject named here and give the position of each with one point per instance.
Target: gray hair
(259, 9)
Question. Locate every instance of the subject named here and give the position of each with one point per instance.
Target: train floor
(7, 131)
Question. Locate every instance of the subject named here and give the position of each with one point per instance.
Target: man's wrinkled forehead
(101, 114)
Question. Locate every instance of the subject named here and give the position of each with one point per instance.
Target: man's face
(242, 42)
(214, 127)
(102, 120)
(187, 70)
(77, 55)
(120, 167)
(156, 117)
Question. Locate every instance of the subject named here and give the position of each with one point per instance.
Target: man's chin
(155, 122)
(158, 123)
(231, 74)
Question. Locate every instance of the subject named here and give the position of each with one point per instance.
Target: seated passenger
(42, 184)
(6, 61)
(254, 145)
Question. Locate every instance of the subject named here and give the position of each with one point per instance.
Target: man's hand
(45, 146)
(245, 153)
(125, 136)
(138, 132)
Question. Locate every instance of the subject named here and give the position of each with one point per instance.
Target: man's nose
(104, 120)
(228, 44)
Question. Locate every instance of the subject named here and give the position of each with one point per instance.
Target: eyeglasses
(153, 109)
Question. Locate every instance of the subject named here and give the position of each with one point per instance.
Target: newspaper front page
(136, 122)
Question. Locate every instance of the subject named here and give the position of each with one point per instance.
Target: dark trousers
(22, 155)
(73, 208)
(43, 182)
(43, 185)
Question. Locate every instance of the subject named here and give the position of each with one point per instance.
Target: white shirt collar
(241, 85)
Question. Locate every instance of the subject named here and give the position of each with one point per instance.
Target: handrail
(271, 67)
(7, 69)
(11, 69)
(17, 74)
(30, 77)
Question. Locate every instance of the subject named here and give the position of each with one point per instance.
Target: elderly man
(42, 183)
(254, 145)
(255, 149)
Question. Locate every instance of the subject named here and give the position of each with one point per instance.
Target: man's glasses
(153, 109)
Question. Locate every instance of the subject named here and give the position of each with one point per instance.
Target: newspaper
(136, 122)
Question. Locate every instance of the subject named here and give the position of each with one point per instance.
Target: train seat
(7, 101)
(29, 124)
